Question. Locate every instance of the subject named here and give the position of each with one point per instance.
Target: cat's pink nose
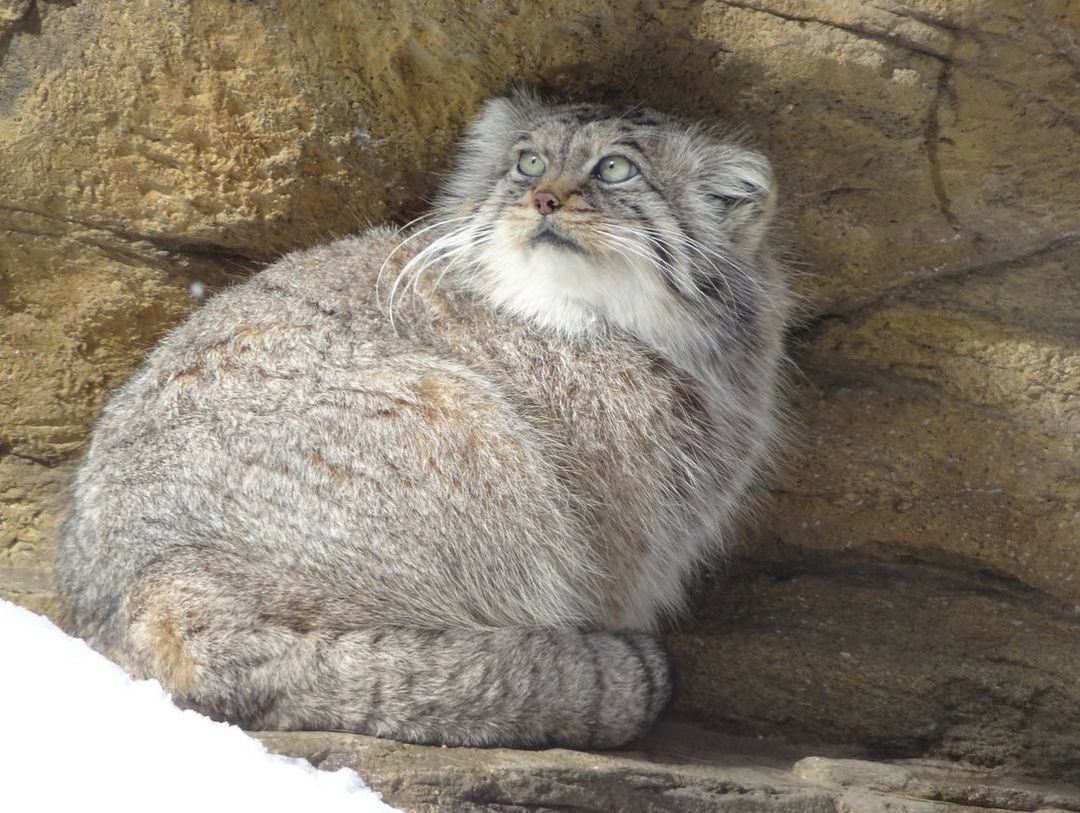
(546, 203)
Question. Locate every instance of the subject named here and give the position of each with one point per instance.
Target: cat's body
(457, 525)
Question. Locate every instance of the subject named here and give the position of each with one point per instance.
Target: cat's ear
(499, 113)
(740, 189)
(500, 121)
(509, 109)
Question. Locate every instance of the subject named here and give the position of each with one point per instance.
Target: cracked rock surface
(910, 586)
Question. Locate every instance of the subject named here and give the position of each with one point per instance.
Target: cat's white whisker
(417, 264)
(442, 222)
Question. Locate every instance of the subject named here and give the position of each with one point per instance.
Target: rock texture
(900, 657)
(680, 768)
(910, 583)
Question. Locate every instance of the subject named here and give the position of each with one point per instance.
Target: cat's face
(577, 215)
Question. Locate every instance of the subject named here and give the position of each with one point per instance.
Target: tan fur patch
(300, 615)
(159, 638)
(333, 471)
(438, 399)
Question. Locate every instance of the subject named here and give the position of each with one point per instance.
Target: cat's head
(579, 215)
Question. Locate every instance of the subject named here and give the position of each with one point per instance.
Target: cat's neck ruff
(586, 296)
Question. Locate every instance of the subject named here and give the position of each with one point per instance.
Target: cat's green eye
(615, 169)
(531, 164)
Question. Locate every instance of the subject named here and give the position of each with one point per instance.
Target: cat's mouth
(546, 235)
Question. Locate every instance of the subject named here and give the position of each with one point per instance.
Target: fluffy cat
(443, 488)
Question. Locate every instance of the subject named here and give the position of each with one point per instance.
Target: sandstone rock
(950, 784)
(927, 520)
(11, 11)
(902, 657)
(948, 419)
(679, 769)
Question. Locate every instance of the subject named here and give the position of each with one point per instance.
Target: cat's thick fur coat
(459, 525)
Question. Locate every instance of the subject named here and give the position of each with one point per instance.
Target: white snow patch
(76, 732)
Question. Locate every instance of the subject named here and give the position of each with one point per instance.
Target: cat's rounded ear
(497, 113)
(741, 190)
(498, 124)
(507, 112)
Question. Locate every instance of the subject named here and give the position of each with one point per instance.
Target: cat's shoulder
(348, 263)
(335, 277)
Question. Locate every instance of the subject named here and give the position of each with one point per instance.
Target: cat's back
(311, 312)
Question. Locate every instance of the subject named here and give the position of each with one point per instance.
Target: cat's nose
(546, 203)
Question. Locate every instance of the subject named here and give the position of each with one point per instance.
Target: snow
(75, 729)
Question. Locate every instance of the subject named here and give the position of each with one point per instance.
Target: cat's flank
(442, 486)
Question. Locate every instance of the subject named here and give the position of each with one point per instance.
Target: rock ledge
(680, 768)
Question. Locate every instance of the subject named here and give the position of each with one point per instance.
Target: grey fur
(407, 487)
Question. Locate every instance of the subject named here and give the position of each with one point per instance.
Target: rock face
(910, 584)
(900, 657)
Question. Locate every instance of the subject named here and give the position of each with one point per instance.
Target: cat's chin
(572, 292)
(548, 237)
(544, 282)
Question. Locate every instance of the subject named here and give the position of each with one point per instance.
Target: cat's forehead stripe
(634, 118)
(604, 133)
(628, 142)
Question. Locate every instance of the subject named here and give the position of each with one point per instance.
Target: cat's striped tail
(510, 687)
(513, 686)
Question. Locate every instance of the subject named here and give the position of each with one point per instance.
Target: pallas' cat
(441, 486)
